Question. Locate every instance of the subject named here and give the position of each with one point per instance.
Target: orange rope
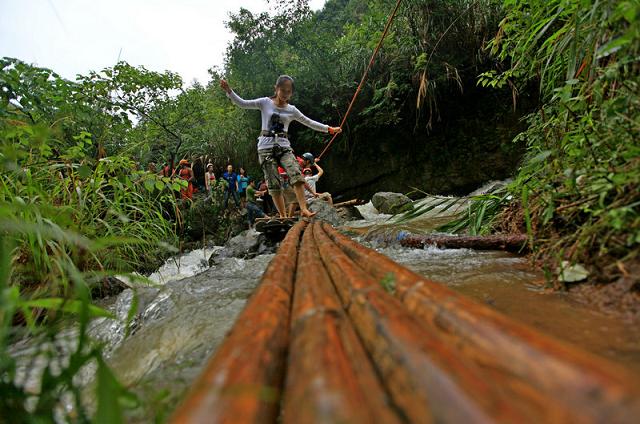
(364, 76)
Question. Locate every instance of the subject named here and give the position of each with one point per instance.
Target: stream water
(507, 283)
(181, 321)
(179, 327)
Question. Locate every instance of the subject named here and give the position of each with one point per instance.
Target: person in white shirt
(311, 181)
(274, 147)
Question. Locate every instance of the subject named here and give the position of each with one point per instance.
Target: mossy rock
(391, 203)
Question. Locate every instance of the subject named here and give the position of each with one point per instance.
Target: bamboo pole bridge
(338, 333)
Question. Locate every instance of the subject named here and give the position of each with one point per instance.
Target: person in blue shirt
(232, 186)
(243, 182)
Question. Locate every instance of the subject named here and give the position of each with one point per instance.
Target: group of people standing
(244, 192)
(242, 188)
(236, 185)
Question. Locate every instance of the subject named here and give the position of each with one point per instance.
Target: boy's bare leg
(278, 200)
(299, 189)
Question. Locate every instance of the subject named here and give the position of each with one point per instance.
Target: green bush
(66, 223)
(579, 183)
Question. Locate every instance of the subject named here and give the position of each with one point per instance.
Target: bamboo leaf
(65, 305)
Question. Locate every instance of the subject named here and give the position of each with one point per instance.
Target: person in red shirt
(186, 174)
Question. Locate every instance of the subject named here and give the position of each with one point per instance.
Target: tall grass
(480, 213)
(472, 214)
(579, 183)
(66, 223)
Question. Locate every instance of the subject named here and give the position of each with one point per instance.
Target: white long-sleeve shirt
(286, 114)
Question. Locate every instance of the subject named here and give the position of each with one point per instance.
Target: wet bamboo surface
(339, 333)
(242, 381)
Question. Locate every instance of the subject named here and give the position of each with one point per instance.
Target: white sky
(76, 36)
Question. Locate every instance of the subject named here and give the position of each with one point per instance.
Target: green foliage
(27, 87)
(577, 189)
(42, 97)
(579, 185)
(480, 213)
(120, 209)
(127, 110)
(562, 41)
(69, 218)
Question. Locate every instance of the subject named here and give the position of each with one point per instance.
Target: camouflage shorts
(270, 165)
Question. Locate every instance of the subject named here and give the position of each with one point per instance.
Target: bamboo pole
(243, 380)
(329, 375)
(428, 380)
(587, 387)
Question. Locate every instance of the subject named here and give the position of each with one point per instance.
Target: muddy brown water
(507, 283)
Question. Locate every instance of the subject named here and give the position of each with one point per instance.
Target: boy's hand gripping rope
(364, 76)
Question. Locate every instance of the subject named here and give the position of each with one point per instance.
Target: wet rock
(349, 213)
(248, 244)
(326, 213)
(108, 286)
(391, 203)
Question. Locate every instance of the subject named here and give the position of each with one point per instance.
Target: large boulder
(349, 213)
(391, 203)
(326, 213)
(246, 245)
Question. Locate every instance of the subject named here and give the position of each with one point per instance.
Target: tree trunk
(512, 243)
